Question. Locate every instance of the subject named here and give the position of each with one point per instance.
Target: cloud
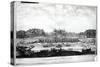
(54, 16)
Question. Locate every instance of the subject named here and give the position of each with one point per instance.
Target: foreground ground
(50, 47)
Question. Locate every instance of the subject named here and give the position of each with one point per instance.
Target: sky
(71, 18)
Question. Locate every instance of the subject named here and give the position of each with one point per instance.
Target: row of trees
(37, 32)
(30, 33)
(40, 32)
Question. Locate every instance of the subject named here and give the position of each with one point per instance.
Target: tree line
(90, 33)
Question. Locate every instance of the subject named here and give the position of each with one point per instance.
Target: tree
(35, 32)
(59, 32)
(21, 34)
(91, 33)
